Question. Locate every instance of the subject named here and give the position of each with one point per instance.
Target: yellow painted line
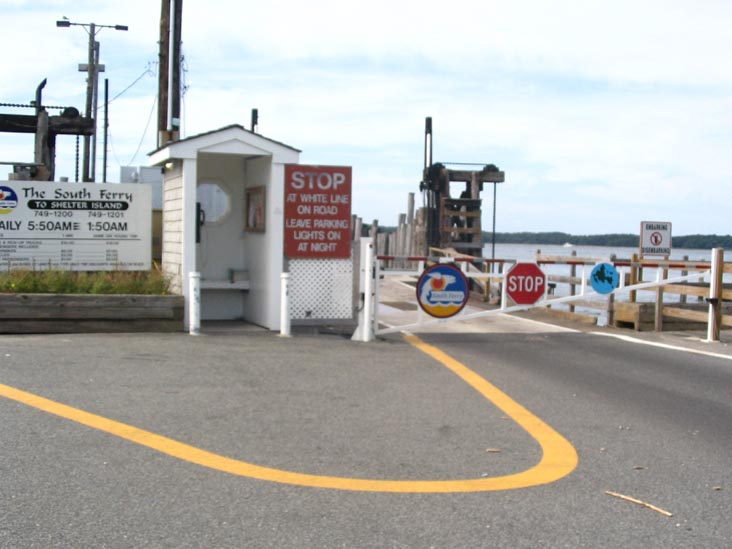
(558, 460)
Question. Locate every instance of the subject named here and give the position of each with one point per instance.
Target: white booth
(223, 196)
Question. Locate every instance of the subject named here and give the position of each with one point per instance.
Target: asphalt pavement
(242, 438)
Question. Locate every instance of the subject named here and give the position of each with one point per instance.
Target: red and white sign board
(317, 211)
(655, 238)
(525, 283)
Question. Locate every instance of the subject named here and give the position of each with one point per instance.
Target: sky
(601, 114)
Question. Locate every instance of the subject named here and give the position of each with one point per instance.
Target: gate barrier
(371, 273)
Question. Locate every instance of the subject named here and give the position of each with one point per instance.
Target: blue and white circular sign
(604, 278)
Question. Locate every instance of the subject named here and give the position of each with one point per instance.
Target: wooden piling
(572, 276)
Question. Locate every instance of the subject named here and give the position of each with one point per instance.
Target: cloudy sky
(602, 114)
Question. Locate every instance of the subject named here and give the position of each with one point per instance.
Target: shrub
(52, 281)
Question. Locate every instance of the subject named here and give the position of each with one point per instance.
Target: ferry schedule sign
(317, 212)
(75, 226)
(655, 238)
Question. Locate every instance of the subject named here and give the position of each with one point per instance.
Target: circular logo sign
(442, 290)
(604, 278)
(8, 200)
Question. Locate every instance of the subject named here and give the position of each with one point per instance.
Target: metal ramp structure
(453, 216)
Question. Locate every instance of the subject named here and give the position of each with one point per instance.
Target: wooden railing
(657, 309)
(641, 314)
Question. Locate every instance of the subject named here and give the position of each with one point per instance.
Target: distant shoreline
(620, 240)
(696, 241)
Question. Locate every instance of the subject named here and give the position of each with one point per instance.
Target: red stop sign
(525, 283)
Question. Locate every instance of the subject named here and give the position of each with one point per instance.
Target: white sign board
(75, 226)
(655, 238)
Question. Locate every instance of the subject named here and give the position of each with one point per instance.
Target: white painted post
(194, 303)
(504, 286)
(420, 311)
(546, 283)
(715, 284)
(371, 291)
(285, 324)
(365, 331)
(658, 309)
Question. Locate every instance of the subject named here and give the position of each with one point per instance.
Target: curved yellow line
(559, 457)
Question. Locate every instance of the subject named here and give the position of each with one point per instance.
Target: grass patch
(52, 281)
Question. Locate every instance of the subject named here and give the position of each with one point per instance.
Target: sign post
(655, 239)
(525, 283)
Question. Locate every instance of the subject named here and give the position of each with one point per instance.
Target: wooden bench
(238, 280)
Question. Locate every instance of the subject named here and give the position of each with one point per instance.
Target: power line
(142, 139)
(144, 133)
(147, 72)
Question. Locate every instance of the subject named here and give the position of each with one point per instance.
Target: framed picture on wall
(255, 209)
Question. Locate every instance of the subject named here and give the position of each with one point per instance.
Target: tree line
(626, 240)
(618, 240)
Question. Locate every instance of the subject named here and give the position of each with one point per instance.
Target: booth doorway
(220, 250)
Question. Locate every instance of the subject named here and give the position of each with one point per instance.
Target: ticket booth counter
(223, 196)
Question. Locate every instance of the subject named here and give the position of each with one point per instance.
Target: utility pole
(163, 61)
(169, 81)
(92, 68)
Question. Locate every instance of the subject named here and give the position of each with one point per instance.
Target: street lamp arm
(92, 68)
(66, 23)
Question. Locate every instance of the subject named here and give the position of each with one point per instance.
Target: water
(527, 252)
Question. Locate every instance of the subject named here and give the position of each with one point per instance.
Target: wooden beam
(701, 290)
(18, 123)
(466, 176)
(57, 125)
(686, 314)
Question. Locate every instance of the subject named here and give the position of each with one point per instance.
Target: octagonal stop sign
(525, 283)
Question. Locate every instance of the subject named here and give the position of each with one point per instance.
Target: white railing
(372, 272)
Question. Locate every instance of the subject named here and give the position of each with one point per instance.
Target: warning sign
(655, 238)
(317, 211)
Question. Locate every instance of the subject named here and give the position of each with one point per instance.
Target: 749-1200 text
(52, 213)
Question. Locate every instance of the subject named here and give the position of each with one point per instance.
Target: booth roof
(225, 128)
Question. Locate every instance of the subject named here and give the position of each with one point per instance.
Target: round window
(214, 201)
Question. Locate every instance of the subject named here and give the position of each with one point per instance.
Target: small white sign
(75, 226)
(655, 238)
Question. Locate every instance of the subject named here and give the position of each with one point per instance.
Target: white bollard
(504, 286)
(715, 292)
(371, 291)
(365, 330)
(194, 303)
(285, 326)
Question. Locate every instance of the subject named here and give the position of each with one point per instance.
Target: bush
(51, 281)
